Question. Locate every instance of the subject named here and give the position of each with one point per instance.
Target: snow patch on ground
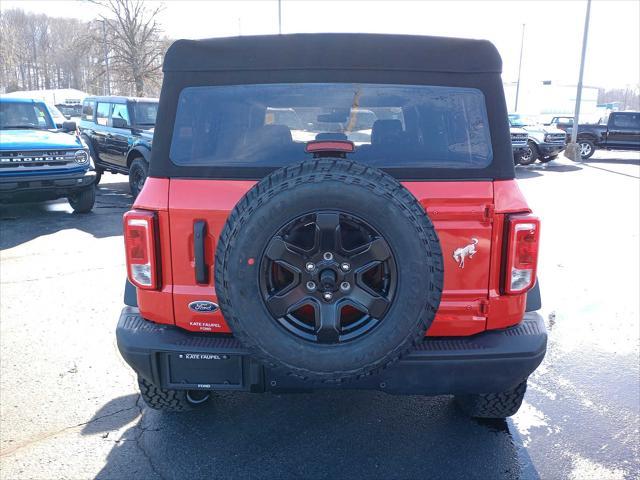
(528, 417)
(585, 469)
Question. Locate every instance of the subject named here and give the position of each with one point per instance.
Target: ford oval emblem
(203, 306)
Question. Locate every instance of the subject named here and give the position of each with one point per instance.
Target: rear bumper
(45, 186)
(489, 362)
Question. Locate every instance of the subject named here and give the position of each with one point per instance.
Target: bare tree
(37, 51)
(133, 36)
(628, 98)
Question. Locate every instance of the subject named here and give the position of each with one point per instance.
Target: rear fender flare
(138, 151)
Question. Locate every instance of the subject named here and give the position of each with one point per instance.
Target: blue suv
(41, 162)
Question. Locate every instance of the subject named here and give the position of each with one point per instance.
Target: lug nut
(310, 267)
(311, 286)
(345, 267)
(344, 286)
(327, 296)
(328, 256)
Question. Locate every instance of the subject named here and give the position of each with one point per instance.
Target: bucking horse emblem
(459, 254)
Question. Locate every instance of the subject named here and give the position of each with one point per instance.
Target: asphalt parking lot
(69, 405)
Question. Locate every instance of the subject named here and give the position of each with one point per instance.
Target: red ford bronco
(333, 211)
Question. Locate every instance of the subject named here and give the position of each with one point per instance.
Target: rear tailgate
(461, 212)
(191, 201)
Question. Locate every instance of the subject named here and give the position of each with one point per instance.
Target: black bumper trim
(534, 299)
(130, 294)
(46, 185)
(488, 362)
(550, 148)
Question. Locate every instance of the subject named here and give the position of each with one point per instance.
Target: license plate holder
(204, 370)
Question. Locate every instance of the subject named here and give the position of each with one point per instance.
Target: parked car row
(544, 142)
(44, 156)
(41, 150)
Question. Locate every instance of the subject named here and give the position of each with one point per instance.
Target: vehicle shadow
(531, 171)
(22, 222)
(320, 435)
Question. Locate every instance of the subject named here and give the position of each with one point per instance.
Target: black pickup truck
(618, 131)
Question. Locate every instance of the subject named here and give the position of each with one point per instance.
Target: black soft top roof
(322, 51)
(333, 58)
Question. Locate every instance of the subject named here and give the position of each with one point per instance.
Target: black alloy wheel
(328, 277)
(529, 154)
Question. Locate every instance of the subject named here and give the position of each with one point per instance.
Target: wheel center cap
(328, 279)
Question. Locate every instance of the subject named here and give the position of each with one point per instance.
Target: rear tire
(492, 405)
(137, 175)
(168, 400)
(83, 200)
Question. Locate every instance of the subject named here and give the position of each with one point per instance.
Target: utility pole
(519, 70)
(106, 56)
(573, 151)
(280, 17)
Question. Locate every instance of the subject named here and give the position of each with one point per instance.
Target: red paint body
(461, 211)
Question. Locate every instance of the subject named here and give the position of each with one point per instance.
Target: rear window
(145, 113)
(391, 125)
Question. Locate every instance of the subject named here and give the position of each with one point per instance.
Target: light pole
(573, 151)
(280, 17)
(519, 69)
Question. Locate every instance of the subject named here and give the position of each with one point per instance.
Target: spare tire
(328, 270)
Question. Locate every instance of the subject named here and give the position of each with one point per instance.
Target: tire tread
(164, 399)
(493, 405)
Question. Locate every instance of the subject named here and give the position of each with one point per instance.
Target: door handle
(199, 234)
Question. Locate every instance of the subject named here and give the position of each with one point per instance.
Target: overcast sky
(553, 32)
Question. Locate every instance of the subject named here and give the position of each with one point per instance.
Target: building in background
(547, 99)
(59, 96)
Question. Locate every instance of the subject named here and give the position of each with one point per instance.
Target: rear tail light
(522, 253)
(140, 246)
